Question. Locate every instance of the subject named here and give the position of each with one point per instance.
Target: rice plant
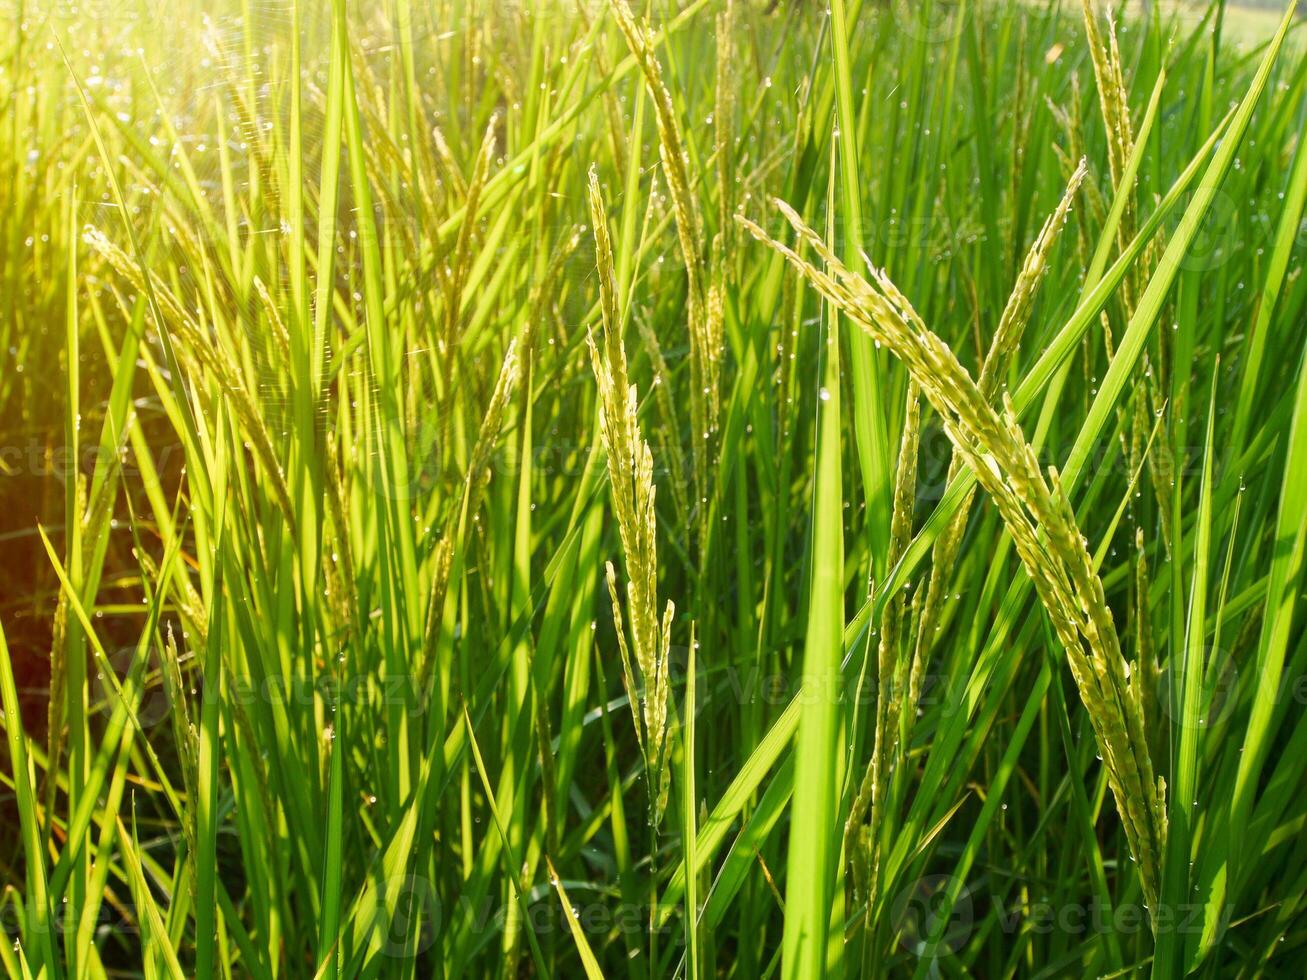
(677, 488)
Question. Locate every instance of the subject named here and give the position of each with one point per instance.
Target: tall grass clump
(453, 524)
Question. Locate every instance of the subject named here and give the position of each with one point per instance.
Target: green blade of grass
(1188, 708)
(37, 920)
(588, 961)
(813, 817)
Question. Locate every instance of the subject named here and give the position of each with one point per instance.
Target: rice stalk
(631, 491)
(467, 505)
(1041, 523)
(1114, 103)
(59, 651)
(703, 310)
(1069, 120)
(185, 734)
(724, 93)
(891, 666)
(1161, 464)
(1006, 341)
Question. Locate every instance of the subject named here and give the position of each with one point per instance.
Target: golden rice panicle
(632, 491)
(1113, 97)
(714, 328)
(1041, 523)
(460, 265)
(1125, 130)
(612, 110)
(905, 482)
(857, 835)
(704, 313)
(1114, 104)
(628, 670)
(448, 165)
(1006, 341)
(280, 335)
(1069, 120)
(943, 555)
(613, 348)
(510, 371)
(1073, 598)
(469, 502)
(1124, 727)
(723, 119)
(1016, 314)
(639, 39)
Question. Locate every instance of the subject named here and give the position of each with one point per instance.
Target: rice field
(652, 488)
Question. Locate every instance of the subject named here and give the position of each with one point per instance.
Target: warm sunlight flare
(648, 489)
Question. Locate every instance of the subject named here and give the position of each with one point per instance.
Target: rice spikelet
(1016, 314)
